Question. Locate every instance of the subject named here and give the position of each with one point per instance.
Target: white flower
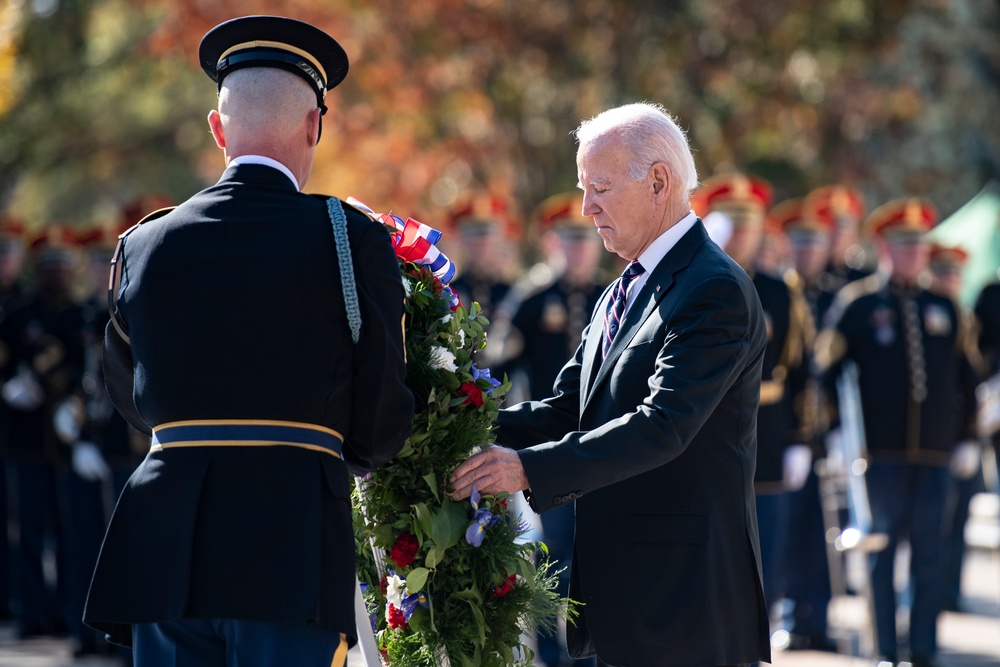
(407, 285)
(446, 319)
(394, 590)
(461, 337)
(443, 359)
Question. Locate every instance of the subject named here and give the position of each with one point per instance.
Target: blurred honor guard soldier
(11, 298)
(917, 386)
(265, 367)
(651, 428)
(45, 343)
(946, 264)
(481, 223)
(745, 200)
(807, 583)
(542, 334)
(841, 208)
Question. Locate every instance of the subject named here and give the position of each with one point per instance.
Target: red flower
(404, 550)
(505, 587)
(383, 584)
(395, 617)
(503, 503)
(474, 394)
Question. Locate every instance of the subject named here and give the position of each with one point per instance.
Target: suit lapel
(659, 283)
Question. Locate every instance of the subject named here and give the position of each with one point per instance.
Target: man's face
(810, 254)
(622, 208)
(909, 259)
(583, 256)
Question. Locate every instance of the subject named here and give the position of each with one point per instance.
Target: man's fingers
(466, 466)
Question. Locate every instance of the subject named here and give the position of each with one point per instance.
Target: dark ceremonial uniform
(234, 310)
(786, 320)
(488, 292)
(916, 380)
(917, 399)
(807, 570)
(987, 311)
(43, 338)
(545, 330)
(10, 299)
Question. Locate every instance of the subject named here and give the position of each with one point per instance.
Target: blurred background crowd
(848, 153)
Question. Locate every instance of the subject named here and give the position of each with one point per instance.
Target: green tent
(976, 228)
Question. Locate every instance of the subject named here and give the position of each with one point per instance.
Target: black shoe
(923, 661)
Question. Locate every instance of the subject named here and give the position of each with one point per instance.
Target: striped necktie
(616, 308)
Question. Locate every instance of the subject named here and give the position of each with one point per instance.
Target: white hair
(265, 99)
(650, 134)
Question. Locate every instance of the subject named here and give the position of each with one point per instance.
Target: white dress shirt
(268, 162)
(656, 251)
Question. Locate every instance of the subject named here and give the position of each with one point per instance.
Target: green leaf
(524, 568)
(417, 579)
(431, 480)
(434, 556)
(424, 518)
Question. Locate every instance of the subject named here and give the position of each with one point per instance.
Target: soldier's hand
(492, 470)
(966, 459)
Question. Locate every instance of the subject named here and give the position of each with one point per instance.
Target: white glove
(23, 392)
(796, 464)
(966, 459)
(88, 462)
(67, 419)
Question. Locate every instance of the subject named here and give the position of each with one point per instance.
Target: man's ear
(313, 119)
(215, 124)
(660, 180)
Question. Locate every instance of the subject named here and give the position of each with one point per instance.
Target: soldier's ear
(313, 120)
(215, 124)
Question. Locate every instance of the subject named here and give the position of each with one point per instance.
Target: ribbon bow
(415, 242)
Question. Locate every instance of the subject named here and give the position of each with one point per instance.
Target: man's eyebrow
(593, 181)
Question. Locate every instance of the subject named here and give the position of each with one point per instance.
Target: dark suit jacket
(657, 447)
(234, 309)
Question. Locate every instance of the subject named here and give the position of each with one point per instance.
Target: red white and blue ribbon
(415, 242)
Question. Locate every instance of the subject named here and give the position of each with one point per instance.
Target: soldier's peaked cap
(274, 41)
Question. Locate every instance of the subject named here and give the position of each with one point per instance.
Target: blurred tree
(894, 96)
(91, 121)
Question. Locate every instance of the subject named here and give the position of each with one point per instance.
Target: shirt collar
(662, 244)
(266, 161)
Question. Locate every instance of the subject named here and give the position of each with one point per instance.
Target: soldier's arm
(382, 405)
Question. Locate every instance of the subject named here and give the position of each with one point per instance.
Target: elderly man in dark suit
(255, 333)
(651, 431)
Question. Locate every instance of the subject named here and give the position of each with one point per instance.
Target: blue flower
(484, 374)
(413, 600)
(481, 520)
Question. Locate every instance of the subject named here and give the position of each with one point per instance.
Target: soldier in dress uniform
(256, 335)
(917, 389)
(842, 208)
(11, 297)
(541, 333)
(481, 223)
(45, 364)
(808, 577)
(745, 200)
(946, 264)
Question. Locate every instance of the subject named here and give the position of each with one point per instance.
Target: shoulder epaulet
(149, 217)
(346, 205)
